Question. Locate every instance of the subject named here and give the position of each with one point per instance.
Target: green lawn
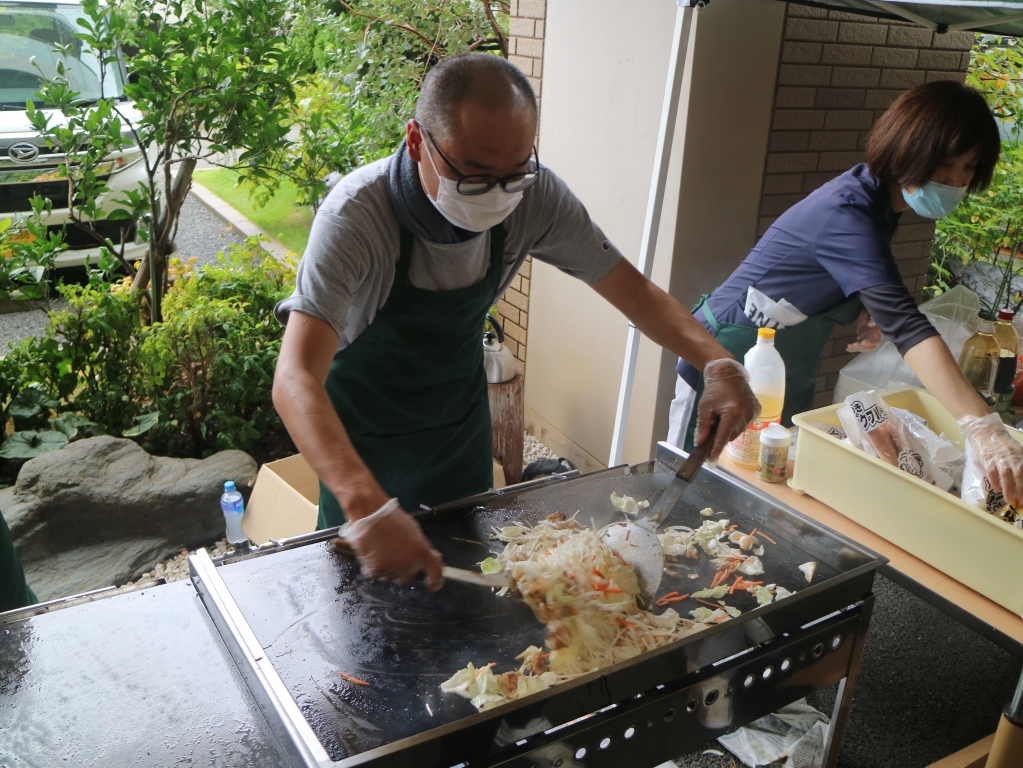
(280, 217)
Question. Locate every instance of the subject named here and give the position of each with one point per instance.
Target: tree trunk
(153, 269)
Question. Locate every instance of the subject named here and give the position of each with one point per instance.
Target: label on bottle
(772, 463)
(1003, 401)
(745, 449)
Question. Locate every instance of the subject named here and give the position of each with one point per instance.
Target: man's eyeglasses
(479, 184)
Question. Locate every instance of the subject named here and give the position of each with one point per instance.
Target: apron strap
(708, 313)
(406, 240)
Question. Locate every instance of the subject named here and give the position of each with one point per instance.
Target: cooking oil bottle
(767, 380)
(979, 359)
(1008, 344)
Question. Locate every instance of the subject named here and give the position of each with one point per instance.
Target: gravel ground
(15, 326)
(176, 568)
(533, 449)
(202, 234)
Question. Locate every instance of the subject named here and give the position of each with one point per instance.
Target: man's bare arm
(302, 402)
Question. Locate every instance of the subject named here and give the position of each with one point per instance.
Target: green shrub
(198, 382)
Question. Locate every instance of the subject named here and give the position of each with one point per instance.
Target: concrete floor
(928, 687)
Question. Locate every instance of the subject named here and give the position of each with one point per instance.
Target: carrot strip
(712, 605)
(620, 559)
(670, 594)
(753, 532)
(625, 623)
(355, 680)
(752, 583)
(768, 538)
(732, 527)
(735, 585)
(677, 599)
(612, 591)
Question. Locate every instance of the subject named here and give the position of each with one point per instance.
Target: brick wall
(525, 50)
(837, 74)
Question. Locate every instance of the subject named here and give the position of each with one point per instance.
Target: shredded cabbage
(587, 598)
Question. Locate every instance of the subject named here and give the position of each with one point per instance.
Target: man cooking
(380, 378)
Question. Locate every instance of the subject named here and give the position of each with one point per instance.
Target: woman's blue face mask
(933, 200)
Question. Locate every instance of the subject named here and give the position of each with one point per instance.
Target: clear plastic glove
(998, 452)
(728, 399)
(868, 335)
(391, 546)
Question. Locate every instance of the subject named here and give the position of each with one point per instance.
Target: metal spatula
(683, 478)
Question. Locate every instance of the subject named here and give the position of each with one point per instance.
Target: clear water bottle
(233, 506)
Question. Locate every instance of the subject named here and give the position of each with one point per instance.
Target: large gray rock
(100, 511)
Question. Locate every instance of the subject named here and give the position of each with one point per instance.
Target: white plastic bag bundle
(828, 429)
(873, 426)
(977, 489)
(953, 314)
(947, 461)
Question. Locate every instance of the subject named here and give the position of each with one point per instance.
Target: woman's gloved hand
(727, 398)
(868, 335)
(999, 454)
(391, 546)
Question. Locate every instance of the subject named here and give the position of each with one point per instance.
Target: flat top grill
(241, 666)
(139, 679)
(315, 617)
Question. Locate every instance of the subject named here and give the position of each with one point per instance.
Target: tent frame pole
(655, 203)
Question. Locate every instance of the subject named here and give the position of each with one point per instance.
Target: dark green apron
(799, 346)
(412, 393)
(14, 592)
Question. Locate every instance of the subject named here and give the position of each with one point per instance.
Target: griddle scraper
(683, 478)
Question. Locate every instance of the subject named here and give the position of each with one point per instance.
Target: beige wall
(605, 64)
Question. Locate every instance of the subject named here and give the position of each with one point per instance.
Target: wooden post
(507, 413)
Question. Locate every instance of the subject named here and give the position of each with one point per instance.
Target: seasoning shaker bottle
(772, 459)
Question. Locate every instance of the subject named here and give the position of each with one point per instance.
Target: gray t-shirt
(345, 276)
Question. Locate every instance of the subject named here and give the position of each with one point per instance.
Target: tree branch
(406, 27)
(498, 33)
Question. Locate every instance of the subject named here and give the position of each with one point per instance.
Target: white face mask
(475, 213)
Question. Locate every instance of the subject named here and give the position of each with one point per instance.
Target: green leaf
(69, 424)
(30, 402)
(28, 445)
(145, 423)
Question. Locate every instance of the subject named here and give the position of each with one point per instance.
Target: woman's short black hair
(928, 124)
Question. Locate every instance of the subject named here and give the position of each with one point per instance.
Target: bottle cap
(775, 436)
(229, 486)
(1006, 314)
(765, 333)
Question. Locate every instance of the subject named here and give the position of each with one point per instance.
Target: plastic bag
(976, 488)
(947, 461)
(828, 429)
(875, 425)
(953, 314)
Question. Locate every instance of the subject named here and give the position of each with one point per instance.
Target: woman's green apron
(411, 390)
(799, 346)
(14, 592)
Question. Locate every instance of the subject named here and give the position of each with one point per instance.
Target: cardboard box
(285, 500)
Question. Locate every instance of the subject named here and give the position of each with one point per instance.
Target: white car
(28, 31)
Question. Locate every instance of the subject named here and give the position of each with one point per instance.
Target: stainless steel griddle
(292, 616)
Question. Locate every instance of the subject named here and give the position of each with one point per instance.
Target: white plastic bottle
(767, 380)
(233, 506)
